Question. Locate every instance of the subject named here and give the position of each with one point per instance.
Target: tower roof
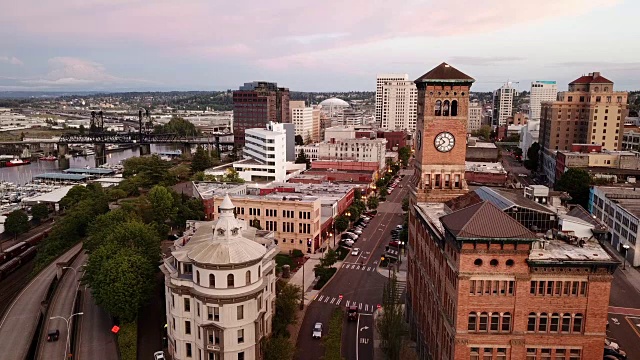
(485, 221)
(592, 78)
(226, 203)
(444, 73)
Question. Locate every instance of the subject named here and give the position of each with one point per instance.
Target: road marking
(321, 297)
(326, 299)
(369, 269)
(347, 303)
(360, 306)
(332, 300)
(615, 321)
(366, 307)
(364, 340)
(338, 302)
(375, 262)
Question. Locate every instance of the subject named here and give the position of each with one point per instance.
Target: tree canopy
(373, 202)
(178, 126)
(533, 157)
(576, 182)
(39, 212)
(303, 159)
(404, 154)
(201, 160)
(16, 223)
(147, 171)
(342, 223)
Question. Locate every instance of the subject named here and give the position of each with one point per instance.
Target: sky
(135, 45)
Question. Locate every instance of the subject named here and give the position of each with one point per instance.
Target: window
(216, 314)
(187, 327)
(488, 354)
(495, 322)
(484, 318)
(545, 354)
(501, 354)
(577, 323)
(240, 314)
(473, 318)
(506, 322)
(566, 323)
(230, 281)
(241, 355)
(555, 323)
(240, 336)
(531, 354)
(187, 305)
(542, 322)
(198, 277)
(575, 354)
(188, 348)
(474, 354)
(560, 354)
(248, 277)
(531, 325)
(212, 280)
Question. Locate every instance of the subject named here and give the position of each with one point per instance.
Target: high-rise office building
(380, 80)
(589, 113)
(302, 118)
(399, 105)
(257, 103)
(502, 104)
(541, 91)
(474, 122)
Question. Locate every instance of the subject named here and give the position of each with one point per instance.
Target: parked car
(353, 235)
(356, 231)
(394, 243)
(346, 243)
(355, 252)
(399, 227)
(317, 330)
(158, 355)
(608, 350)
(614, 345)
(53, 335)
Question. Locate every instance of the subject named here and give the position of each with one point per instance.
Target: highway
(61, 305)
(95, 340)
(359, 285)
(19, 323)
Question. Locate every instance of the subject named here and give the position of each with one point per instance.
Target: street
(624, 315)
(95, 339)
(517, 169)
(357, 282)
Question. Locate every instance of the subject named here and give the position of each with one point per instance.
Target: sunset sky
(310, 46)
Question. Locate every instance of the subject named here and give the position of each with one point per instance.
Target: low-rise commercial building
(347, 149)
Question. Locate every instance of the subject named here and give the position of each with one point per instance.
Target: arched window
(506, 322)
(438, 108)
(554, 326)
(531, 325)
(198, 277)
(577, 323)
(484, 319)
(566, 323)
(248, 277)
(212, 280)
(259, 272)
(473, 322)
(495, 322)
(606, 89)
(543, 322)
(454, 107)
(445, 108)
(230, 281)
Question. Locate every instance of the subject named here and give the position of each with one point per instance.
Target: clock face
(444, 142)
(419, 140)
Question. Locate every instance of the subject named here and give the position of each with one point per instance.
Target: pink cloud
(11, 60)
(269, 33)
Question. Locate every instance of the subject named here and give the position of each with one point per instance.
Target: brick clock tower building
(480, 284)
(441, 134)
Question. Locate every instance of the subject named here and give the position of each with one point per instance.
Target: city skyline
(197, 45)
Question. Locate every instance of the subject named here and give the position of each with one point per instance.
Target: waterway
(20, 175)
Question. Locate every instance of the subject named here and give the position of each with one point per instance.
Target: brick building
(480, 284)
(257, 103)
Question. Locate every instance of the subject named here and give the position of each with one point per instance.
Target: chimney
(595, 74)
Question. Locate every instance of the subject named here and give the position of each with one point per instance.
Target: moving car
(355, 252)
(352, 313)
(317, 330)
(158, 355)
(53, 335)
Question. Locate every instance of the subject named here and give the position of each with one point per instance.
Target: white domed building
(334, 107)
(220, 289)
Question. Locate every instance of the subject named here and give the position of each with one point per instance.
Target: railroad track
(13, 284)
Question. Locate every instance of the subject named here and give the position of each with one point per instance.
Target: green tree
(81, 130)
(355, 212)
(390, 324)
(380, 183)
(102, 226)
(333, 339)
(178, 126)
(232, 176)
(373, 202)
(302, 159)
(287, 301)
(357, 194)
(484, 132)
(329, 259)
(116, 194)
(342, 223)
(149, 171)
(533, 157)
(404, 154)
(16, 223)
(278, 348)
(576, 182)
(162, 207)
(39, 212)
(405, 204)
(200, 161)
(74, 196)
(187, 208)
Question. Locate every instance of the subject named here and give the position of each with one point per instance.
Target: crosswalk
(337, 301)
(353, 266)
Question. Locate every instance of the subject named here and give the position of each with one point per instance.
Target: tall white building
(302, 118)
(541, 91)
(474, 121)
(380, 80)
(399, 105)
(529, 134)
(265, 154)
(502, 104)
(220, 289)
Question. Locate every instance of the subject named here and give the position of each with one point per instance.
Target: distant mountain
(41, 94)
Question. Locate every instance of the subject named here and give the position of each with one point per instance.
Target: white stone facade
(220, 290)
(541, 91)
(528, 135)
(380, 80)
(502, 105)
(399, 105)
(474, 121)
(264, 154)
(302, 118)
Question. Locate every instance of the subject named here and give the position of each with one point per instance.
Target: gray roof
(62, 176)
(505, 200)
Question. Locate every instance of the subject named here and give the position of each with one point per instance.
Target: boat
(48, 158)
(17, 162)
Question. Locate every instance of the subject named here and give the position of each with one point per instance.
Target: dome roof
(223, 243)
(334, 102)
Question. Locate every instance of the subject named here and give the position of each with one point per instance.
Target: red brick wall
(485, 178)
(345, 165)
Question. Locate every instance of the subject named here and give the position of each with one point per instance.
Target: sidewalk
(631, 274)
(400, 270)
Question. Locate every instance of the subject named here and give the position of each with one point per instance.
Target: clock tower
(441, 134)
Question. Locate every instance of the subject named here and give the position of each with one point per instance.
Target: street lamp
(624, 259)
(68, 321)
(75, 270)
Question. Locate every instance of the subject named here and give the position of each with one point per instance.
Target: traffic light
(340, 296)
